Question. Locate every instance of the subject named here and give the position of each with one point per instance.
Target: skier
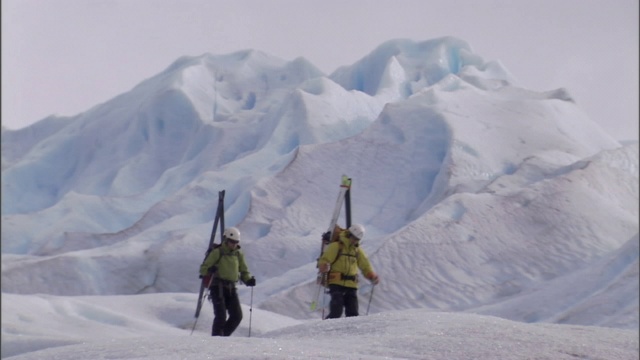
(341, 260)
(226, 265)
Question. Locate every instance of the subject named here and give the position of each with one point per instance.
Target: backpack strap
(338, 254)
(341, 245)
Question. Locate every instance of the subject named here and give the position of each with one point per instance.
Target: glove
(324, 268)
(374, 278)
(251, 281)
(325, 236)
(212, 270)
(206, 279)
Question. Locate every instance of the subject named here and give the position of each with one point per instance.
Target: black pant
(342, 297)
(225, 299)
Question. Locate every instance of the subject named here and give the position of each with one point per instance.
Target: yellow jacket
(345, 260)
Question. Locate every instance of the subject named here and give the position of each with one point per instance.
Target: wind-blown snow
(487, 206)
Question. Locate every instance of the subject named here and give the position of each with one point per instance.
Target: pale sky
(62, 57)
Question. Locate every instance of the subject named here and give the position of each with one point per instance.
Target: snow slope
(478, 196)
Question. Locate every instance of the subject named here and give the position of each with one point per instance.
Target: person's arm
(328, 257)
(366, 268)
(245, 275)
(209, 263)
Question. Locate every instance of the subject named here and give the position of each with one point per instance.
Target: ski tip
(346, 181)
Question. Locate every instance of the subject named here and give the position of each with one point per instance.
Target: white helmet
(232, 233)
(357, 230)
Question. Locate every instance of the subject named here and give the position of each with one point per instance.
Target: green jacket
(230, 263)
(345, 262)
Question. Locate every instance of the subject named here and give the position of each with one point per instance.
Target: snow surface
(502, 221)
(158, 326)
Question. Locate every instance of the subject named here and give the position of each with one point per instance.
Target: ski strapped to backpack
(344, 197)
(206, 280)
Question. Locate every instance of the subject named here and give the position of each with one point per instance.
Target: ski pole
(194, 326)
(324, 302)
(314, 303)
(201, 302)
(370, 297)
(250, 311)
(321, 280)
(195, 322)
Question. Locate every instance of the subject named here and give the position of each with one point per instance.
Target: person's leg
(219, 311)
(351, 302)
(337, 301)
(234, 309)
